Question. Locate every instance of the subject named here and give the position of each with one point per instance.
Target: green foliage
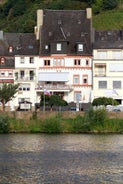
(98, 116)
(97, 6)
(52, 125)
(100, 5)
(53, 100)
(110, 4)
(108, 20)
(20, 16)
(104, 101)
(93, 121)
(114, 125)
(80, 124)
(4, 124)
(7, 92)
(56, 100)
(66, 5)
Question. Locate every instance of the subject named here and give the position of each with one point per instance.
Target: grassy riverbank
(94, 121)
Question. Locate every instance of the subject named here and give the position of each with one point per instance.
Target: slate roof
(8, 63)
(22, 43)
(70, 26)
(112, 39)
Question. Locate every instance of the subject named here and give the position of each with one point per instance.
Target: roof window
(2, 60)
(80, 47)
(10, 49)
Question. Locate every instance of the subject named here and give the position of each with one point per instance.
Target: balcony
(100, 75)
(23, 79)
(54, 87)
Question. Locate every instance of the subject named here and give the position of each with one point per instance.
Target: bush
(4, 124)
(98, 116)
(51, 125)
(80, 124)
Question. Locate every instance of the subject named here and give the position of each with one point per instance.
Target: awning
(116, 67)
(53, 76)
(100, 64)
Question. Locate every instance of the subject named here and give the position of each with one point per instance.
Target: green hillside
(109, 20)
(20, 15)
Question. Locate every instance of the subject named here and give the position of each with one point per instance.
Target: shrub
(4, 124)
(51, 125)
(80, 124)
(98, 116)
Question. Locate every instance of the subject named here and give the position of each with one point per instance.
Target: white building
(57, 57)
(65, 63)
(108, 65)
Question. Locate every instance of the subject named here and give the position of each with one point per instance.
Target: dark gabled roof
(108, 39)
(70, 26)
(22, 44)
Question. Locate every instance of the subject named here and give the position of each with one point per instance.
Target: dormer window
(80, 47)
(2, 61)
(59, 22)
(10, 49)
(46, 47)
(58, 47)
(50, 33)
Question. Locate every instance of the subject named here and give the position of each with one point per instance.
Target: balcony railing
(58, 87)
(20, 79)
(100, 75)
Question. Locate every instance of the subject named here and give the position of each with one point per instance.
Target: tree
(110, 4)
(104, 101)
(56, 100)
(52, 100)
(97, 6)
(7, 92)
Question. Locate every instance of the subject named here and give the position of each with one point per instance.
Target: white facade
(108, 73)
(70, 77)
(25, 74)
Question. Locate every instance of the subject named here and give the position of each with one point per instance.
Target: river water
(61, 159)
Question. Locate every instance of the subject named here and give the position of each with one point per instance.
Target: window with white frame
(102, 84)
(10, 73)
(100, 69)
(116, 84)
(76, 79)
(77, 62)
(2, 73)
(58, 62)
(85, 79)
(46, 62)
(31, 60)
(87, 62)
(22, 74)
(117, 54)
(80, 47)
(24, 87)
(77, 95)
(22, 60)
(23, 99)
(58, 47)
(102, 54)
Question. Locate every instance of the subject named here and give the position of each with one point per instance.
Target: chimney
(39, 23)
(1, 35)
(89, 13)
